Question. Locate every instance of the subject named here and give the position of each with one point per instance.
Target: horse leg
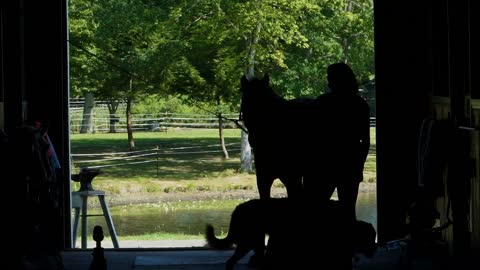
(293, 184)
(264, 184)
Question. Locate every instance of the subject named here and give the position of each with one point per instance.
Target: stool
(79, 203)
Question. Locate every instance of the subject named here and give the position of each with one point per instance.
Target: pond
(188, 219)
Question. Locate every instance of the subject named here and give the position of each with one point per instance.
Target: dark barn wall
(474, 80)
(463, 185)
(35, 87)
(402, 88)
(48, 91)
(426, 58)
(420, 51)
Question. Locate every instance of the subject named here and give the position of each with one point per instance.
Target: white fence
(103, 122)
(117, 159)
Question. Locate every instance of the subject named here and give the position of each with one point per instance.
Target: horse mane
(261, 109)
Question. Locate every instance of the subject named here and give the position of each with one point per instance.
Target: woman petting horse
(312, 146)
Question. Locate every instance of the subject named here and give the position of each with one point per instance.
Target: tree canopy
(198, 50)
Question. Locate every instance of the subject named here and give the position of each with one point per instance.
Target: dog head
(365, 239)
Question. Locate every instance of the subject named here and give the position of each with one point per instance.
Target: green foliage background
(195, 52)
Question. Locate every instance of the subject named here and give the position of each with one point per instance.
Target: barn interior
(426, 74)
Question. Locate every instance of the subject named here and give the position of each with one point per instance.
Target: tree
(198, 50)
(227, 38)
(128, 52)
(350, 25)
(83, 77)
(128, 35)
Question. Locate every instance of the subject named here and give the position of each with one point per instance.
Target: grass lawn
(174, 161)
(186, 162)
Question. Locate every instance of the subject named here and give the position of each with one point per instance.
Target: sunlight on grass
(159, 236)
(175, 172)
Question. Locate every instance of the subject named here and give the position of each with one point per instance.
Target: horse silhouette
(275, 132)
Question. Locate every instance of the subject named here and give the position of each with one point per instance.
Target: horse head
(254, 83)
(254, 101)
(255, 92)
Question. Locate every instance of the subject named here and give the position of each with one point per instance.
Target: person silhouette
(342, 145)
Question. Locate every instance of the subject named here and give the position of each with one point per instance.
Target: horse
(276, 132)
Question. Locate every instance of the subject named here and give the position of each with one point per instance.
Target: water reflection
(367, 207)
(156, 218)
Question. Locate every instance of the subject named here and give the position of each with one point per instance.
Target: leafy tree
(128, 35)
(127, 50)
(351, 26)
(83, 78)
(340, 31)
(229, 38)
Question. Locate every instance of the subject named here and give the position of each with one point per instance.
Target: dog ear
(266, 79)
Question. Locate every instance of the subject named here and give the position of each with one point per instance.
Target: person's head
(341, 78)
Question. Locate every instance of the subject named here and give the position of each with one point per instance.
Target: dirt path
(137, 198)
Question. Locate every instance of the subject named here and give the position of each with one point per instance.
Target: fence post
(156, 149)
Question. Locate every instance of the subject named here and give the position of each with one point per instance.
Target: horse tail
(215, 242)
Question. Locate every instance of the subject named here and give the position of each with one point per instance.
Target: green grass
(158, 236)
(171, 164)
(166, 236)
(174, 170)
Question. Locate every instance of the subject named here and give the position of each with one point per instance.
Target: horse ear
(243, 81)
(266, 79)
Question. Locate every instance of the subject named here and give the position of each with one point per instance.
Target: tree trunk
(250, 71)
(88, 119)
(345, 42)
(246, 160)
(222, 137)
(112, 110)
(131, 142)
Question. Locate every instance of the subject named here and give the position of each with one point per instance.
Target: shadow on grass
(177, 158)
